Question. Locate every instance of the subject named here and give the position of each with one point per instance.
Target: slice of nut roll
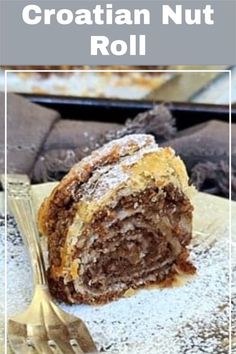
(120, 220)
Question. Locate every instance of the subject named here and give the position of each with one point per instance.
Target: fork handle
(20, 202)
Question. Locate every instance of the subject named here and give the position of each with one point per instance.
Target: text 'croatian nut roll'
(119, 220)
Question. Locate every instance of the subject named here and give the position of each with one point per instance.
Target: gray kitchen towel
(69, 141)
(72, 134)
(45, 147)
(27, 128)
(205, 151)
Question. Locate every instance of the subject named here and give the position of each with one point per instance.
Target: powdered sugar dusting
(123, 146)
(191, 319)
(109, 177)
(137, 141)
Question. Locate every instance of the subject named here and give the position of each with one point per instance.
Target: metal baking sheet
(166, 86)
(117, 111)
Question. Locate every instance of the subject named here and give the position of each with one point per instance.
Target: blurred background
(205, 87)
(63, 116)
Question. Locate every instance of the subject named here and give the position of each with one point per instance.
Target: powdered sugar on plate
(193, 318)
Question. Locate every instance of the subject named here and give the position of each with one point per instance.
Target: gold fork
(43, 327)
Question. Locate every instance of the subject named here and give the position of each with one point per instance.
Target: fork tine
(19, 346)
(76, 346)
(65, 347)
(79, 332)
(42, 346)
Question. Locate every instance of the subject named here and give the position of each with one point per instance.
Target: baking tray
(117, 111)
(132, 85)
(168, 85)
